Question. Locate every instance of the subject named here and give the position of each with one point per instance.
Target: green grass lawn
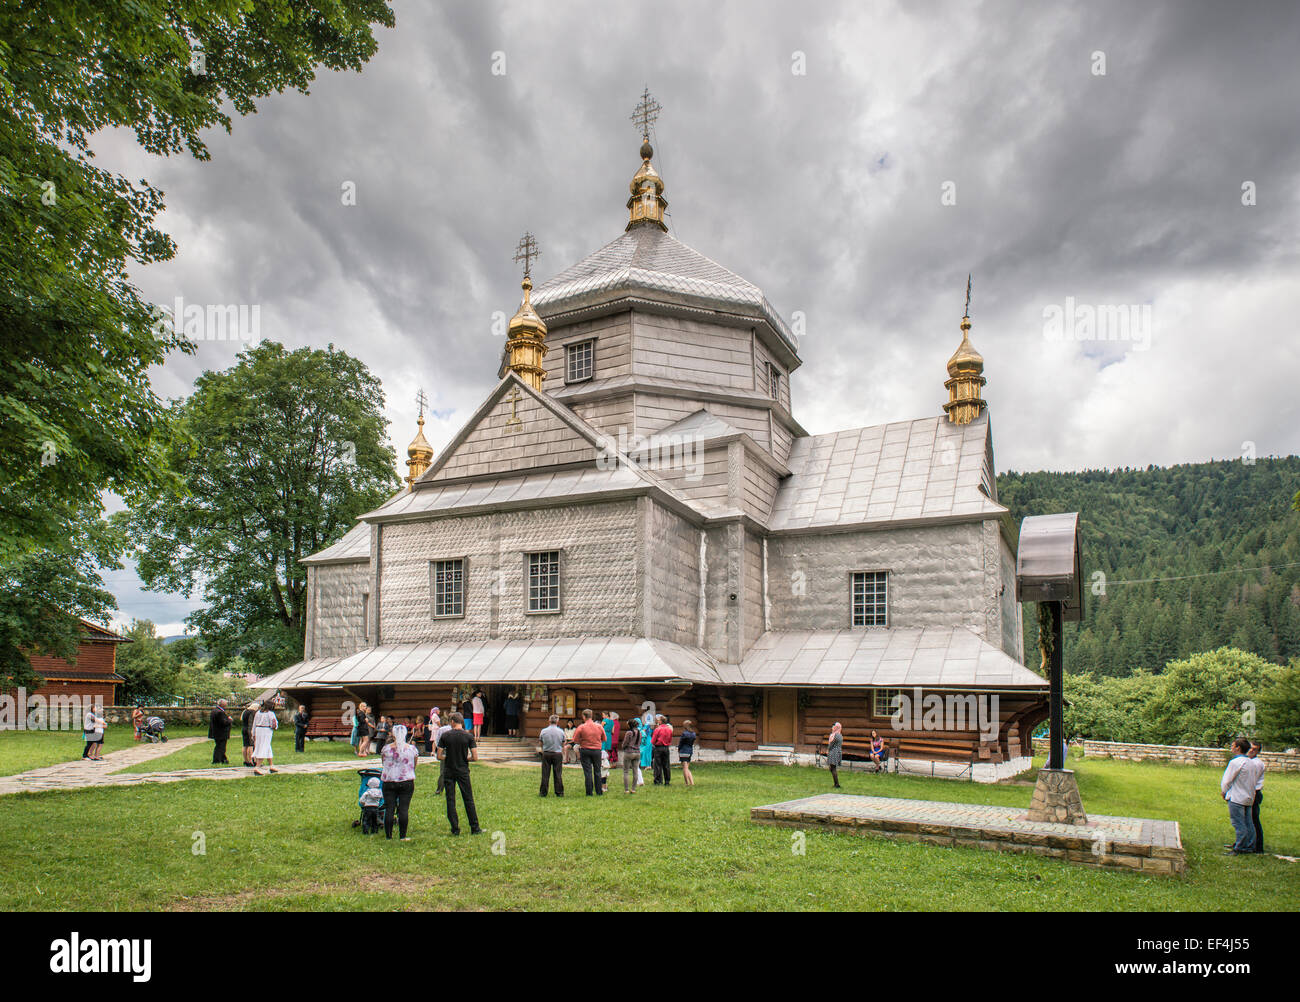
(23, 750)
(285, 842)
(199, 756)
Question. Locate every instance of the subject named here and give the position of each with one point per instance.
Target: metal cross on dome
(422, 402)
(646, 114)
(527, 252)
(967, 313)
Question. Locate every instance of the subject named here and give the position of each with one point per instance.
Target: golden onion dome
(965, 357)
(526, 318)
(420, 447)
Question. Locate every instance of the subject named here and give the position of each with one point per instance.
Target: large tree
(278, 455)
(77, 414)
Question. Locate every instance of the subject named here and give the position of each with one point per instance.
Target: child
(370, 806)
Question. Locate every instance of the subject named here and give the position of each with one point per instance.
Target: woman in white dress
(265, 724)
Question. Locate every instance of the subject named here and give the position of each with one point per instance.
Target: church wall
(937, 577)
(722, 581)
(782, 442)
(494, 448)
(678, 348)
(654, 412)
(613, 357)
(703, 478)
(338, 608)
(752, 594)
(599, 584)
(673, 563)
(1013, 637)
(759, 489)
(608, 416)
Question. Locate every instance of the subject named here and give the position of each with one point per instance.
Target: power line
(1206, 574)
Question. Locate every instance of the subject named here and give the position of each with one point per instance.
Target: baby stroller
(153, 728)
(370, 817)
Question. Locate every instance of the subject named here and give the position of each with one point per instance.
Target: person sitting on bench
(879, 753)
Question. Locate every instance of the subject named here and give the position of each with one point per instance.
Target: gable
(514, 432)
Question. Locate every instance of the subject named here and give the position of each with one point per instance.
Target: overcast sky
(855, 161)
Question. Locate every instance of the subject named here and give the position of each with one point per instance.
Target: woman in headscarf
(265, 724)
(399, 759)
(835, 752)
(647, 728)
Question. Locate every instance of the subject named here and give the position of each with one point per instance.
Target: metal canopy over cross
(646, 114)
(967, 313)
(421, 401)
(527, 252)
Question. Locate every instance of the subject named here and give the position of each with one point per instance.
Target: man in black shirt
(300, 721)
(219, 732)
(456, 750)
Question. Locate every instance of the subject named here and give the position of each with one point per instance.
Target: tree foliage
(278, 456)
(77, 414)
(1171, 543)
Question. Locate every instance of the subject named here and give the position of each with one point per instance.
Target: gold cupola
(419, 452)
(965, 376)
(646, 203)
(526, 336)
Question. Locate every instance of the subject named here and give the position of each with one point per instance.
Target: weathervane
(646, 114)
(527, 252)
(967, 313)
(421, 401)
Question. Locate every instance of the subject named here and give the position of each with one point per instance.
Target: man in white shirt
(1238, 788)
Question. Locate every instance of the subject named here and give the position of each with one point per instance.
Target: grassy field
(285, 842)
(23, 750)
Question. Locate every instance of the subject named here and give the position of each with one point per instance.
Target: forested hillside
(1172, 543)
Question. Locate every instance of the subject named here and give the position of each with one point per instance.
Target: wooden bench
(858, 750)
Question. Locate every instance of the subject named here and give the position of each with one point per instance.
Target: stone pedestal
(1056, 799)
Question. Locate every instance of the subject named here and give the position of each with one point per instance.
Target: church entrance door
(494, 702)
(778, 716)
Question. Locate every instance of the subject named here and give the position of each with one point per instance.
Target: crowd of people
(600, 745)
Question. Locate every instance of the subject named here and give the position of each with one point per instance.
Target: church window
(580, 361)
(885, 703)
(448, 581)
(774, 382)
(870, 598)
(544, 581)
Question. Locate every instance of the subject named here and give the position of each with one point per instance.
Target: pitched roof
(353, 546)
(930, 657)
(928, 468)
(647, 261)
(564, 659)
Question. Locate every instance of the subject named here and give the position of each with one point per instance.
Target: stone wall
(1178, 754)
(600, 590)
(937, 577)
(338, 608)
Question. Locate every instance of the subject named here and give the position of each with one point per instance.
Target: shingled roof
(648, 262)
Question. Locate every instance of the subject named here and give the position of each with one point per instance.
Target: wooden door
(778, 716)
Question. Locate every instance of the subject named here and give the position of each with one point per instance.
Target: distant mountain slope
(1195, 524)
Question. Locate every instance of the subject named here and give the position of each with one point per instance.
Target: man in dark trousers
(553, 756)
(456, 750)
(589, 737)
(300, 721)
(661, 740)
(219, 732)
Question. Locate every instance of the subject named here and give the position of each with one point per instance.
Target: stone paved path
(80, 775)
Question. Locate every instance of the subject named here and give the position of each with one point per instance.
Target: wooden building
(635, 515)
(91, 676)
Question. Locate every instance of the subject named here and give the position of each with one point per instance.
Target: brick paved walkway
(1111, 842)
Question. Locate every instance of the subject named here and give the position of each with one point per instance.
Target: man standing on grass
(553, 756)
(300, 721)
(1238, 787)
(660, 741)
(589, 737)
(219, 732)
(456, 750)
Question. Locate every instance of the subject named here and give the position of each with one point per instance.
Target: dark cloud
(822, 188)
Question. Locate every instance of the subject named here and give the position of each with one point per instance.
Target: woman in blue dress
(647, 725)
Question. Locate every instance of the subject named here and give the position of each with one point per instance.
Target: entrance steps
(773, 754)
(497, 748)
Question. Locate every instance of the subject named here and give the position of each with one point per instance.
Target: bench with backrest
(858, 750)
